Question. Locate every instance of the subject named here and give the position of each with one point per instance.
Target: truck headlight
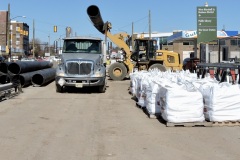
(99, 73)
(60, 73)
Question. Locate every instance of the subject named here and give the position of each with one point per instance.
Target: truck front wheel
(59, 88)
(117, 71)
(102, 88)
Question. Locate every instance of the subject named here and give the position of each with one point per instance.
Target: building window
(187, 43)
(18, 29)
(222, 42)
(17, 35)
(235, 42)
(163, 40)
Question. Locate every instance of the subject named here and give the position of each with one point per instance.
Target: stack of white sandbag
(138, 86)
(168, 94)
(155, 82)
(182, 97)
(181, 103)
(133, 82)
(222, 101)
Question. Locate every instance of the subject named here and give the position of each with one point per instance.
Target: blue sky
(166, 16)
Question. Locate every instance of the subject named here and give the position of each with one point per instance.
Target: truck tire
(102, 89)
(117, 71)
(59, 89)
(158, 66)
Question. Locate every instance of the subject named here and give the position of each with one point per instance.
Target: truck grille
(79, 67)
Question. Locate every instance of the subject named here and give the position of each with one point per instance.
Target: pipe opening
(93, 11)
(3, 67)
(37, 79)
(4, 79)
(14, 68)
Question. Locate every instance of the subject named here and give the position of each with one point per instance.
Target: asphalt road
(41, 124)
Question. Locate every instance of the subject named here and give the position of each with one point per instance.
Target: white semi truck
(82, 64)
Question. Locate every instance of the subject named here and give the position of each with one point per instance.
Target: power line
(130, 24)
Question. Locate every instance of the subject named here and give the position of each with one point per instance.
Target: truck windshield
(82, 46)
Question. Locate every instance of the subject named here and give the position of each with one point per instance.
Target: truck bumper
(80, 82)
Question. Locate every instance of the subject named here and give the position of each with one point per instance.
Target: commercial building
(185, 43)
(3, 31)
(18, 32)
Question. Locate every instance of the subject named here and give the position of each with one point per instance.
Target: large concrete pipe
(4, 68)
(28, 66)
(43, 77)
(26, 78)
(4, 79)
(95, 16)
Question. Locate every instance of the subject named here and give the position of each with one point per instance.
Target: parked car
(27, 59)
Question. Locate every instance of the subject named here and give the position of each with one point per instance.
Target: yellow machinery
(144, 55)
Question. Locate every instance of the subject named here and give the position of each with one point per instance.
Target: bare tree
(38, 48)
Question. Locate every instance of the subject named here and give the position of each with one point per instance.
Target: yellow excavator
(144, 56)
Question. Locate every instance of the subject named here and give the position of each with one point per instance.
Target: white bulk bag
(181, 104)
(152, 95)
(141, 90)
(222, 101)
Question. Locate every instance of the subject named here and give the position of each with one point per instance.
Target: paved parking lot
(41, 124)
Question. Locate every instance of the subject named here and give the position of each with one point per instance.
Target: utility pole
(33, 39)
(8, 34)
(132, 36)
(150, 25)
(49, 44)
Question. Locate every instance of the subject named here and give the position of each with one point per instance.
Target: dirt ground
(41, 124)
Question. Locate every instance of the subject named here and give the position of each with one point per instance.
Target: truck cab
(82, 64)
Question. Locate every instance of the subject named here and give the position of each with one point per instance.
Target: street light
(17, 17)
(9, 35)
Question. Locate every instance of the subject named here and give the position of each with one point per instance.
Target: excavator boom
(95, 16)
(118, 39)
(144, 53)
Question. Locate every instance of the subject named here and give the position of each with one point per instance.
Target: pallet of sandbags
(181, 103)
(221, 102)
(190, 124)
(204, 124)
(226, 123)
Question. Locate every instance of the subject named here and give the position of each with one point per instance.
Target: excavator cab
(144, 50)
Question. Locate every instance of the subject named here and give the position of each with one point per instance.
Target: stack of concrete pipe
(6, 86)
(25, 73)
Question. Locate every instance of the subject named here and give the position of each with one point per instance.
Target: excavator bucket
(95, 16)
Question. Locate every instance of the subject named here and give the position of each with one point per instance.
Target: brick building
(19, 36)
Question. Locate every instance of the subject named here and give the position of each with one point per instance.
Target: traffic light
(55, 28)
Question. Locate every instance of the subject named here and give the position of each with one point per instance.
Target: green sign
(206, 24)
